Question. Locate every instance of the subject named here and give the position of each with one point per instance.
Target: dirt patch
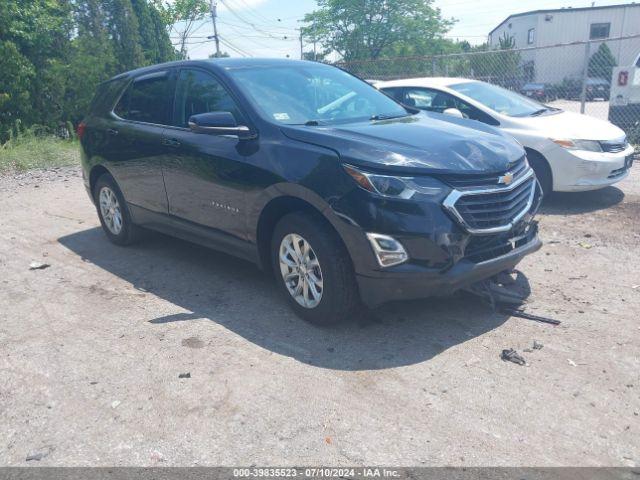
(192, 342)
(93, 347)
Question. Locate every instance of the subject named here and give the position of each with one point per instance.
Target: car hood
(572, 125)
(421, 143)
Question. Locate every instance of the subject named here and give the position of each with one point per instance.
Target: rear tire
(113, 212)
(543, 172)
(331, 294)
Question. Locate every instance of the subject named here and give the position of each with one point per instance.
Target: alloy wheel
(301, 270)
(110, 210)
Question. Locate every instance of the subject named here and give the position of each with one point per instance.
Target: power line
(234, 48)
(258, 19)
(272, 30)
(245, 7)
(244, 20)
(244, 34)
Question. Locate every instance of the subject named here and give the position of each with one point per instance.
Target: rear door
(135, 150)
(206, 175)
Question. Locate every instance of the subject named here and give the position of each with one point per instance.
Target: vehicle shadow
(212, 286)
(565, 203)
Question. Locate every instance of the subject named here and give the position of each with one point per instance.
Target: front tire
(313, 269)
(543, 172)
(113, 212)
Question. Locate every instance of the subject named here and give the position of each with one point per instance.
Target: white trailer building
(545, 28)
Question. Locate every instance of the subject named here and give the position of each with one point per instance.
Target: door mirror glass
(218, 123)
(454, 112)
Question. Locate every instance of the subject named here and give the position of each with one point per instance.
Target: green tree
(34, 41)
(53, 53)
(124, 32)
(16, 75)
(181, 18)
(154, 38)
(602, 63)
(92, 58)
(371, 29)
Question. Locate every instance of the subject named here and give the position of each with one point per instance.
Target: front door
(205, 174)
(134, 152)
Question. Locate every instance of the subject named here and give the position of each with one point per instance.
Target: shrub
(36, 147)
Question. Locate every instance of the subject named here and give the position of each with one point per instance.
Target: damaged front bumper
(413, 281)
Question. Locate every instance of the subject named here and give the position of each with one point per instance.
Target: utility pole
(315, 51)
(214, 14)
(301, 46)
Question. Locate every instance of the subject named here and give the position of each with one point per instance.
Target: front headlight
(572, 144)
(396, 187)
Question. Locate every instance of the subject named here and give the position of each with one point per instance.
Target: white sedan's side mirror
(454, 112)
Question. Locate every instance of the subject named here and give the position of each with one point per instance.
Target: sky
(268, 28)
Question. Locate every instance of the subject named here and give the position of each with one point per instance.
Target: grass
(29, 152)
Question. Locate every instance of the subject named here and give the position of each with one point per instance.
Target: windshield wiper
(314, 123)
(538, 112)
(386, 117)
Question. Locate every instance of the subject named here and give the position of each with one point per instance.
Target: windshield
(313, 94)
(499, 99)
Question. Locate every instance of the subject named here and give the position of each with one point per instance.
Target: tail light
(81, 129)
(623, 78)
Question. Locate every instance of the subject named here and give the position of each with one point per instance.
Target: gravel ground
(93, 347)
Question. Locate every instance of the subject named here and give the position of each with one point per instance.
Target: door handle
(170, 142)
(112, 132)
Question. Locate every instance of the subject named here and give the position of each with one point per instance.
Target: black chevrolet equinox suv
(344, 195)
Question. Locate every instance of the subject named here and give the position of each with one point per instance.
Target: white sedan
(568, 151)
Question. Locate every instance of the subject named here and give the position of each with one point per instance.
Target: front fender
(349, 231)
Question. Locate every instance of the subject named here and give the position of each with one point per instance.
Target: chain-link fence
(599, 78)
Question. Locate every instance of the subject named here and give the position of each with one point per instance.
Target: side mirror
(454, 112)
(219, 123)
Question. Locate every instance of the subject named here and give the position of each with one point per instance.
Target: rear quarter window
(146, 100)
(106, 95)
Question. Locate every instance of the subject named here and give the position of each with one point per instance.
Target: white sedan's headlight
(572, 144)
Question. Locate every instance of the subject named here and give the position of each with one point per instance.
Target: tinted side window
(105, 97)
(419, 97)
(146, 100)
(394, 92)
(199, 92)
(473, 113)
(441, 101)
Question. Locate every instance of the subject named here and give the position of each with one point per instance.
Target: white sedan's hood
(571, 125)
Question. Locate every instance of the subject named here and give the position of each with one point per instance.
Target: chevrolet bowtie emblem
(506, 179)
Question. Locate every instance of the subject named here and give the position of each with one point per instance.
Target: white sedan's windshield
(499, 99)
(315, 93)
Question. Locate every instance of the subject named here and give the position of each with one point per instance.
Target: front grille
(613, 147)
(464, 181)
(496, 209)
(487, 247)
